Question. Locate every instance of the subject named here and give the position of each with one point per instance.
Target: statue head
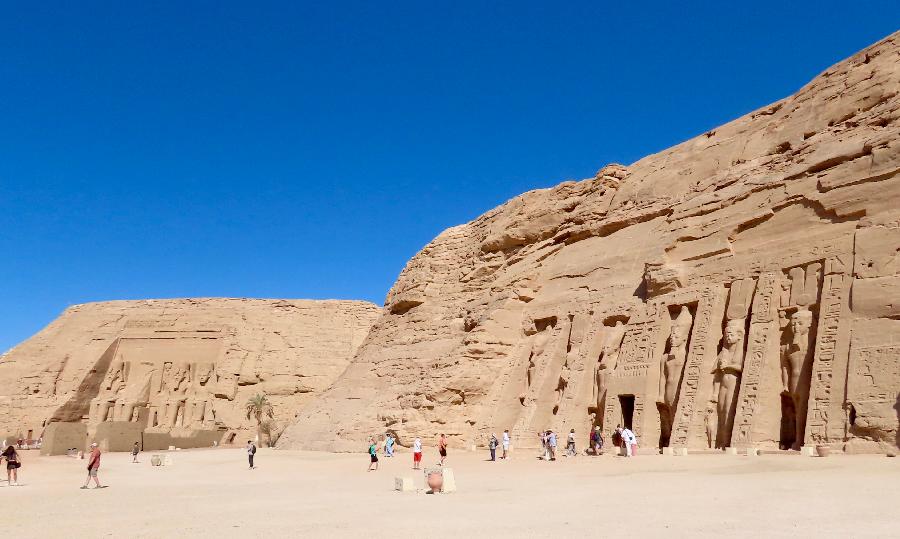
(734, 331)
(801, 321)
(681, 328)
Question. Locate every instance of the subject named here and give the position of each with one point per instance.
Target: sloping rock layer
(739, 289)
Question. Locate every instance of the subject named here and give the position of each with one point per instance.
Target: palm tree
(257, 407)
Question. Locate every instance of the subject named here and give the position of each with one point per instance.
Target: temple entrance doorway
(627, 404)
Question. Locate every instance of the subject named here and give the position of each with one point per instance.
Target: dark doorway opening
(627, 403)
(788, 422)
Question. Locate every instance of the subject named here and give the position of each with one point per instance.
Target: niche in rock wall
(729, 363)
(605, 363)
(539, 332)
(798, 317)
(672, 365)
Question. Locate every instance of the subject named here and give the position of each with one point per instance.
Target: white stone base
(668, 451)
(752, 452)
(403, 484)
(808, 451)
(449, 481)
(731, 451)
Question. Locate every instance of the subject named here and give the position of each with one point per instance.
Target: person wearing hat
(93, 466)
(492, 445)
(597, 440)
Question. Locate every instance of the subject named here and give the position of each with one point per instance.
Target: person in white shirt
(630, 442)
(570, 445)
(417, 453)
(505, 444)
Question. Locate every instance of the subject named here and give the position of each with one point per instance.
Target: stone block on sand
(403, 484)
(808, 451)
(449, 481)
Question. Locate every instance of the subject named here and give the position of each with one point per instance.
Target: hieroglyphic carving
(875, 371)
(820, 395)
(814, 249)
(690, 386)
(637, 417)
(763, 316)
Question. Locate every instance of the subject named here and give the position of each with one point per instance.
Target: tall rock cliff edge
(606, 300)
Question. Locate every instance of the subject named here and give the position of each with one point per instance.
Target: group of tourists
(390, 440)
(493, 443)
(622, 437)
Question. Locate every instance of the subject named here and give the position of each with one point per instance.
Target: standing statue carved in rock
(607, 362)
(672, 368)
(538, 347)
(795, 362)
(727, 377)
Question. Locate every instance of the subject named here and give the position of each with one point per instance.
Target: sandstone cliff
(176, 368)
(606, 301)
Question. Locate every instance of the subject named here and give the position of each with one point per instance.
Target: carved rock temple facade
(739, 289)
(173, 372)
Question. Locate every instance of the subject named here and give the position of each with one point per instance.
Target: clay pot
(435, 481)
(823, 450)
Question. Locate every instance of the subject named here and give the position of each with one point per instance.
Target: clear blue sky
(307, 150)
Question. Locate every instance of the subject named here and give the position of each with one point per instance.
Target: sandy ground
(212, 493)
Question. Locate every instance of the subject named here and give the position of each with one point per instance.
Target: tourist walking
(570, 445)
(551, 441)
(134, 452)
(93, 466)
(373, 455)
(442, 448)
(417, 453)
(389, 445)
(505, 444)
(251, 452)
(597, 441)
(12, 466)
(492, 445)
(629, 440)
(545, 445)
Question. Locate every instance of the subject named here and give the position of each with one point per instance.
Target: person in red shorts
(417, 454)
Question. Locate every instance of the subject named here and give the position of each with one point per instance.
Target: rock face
(174, 372)
(739, 289)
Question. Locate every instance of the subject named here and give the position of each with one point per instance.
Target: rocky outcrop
(176, 371)
(741, 288)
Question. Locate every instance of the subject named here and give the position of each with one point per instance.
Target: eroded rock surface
(605, 301)
(176, 371)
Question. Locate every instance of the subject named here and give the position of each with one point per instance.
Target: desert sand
(211, 493)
